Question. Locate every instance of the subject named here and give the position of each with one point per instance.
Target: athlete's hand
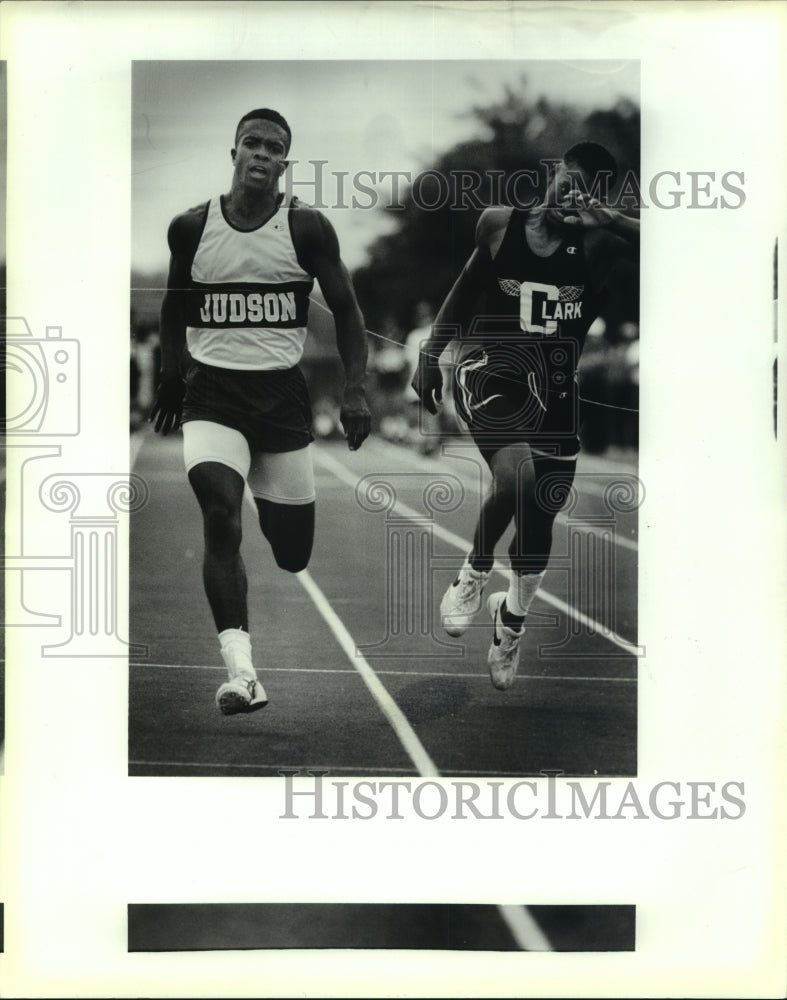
(428, 382)
(168, 404)
(355, 417)
(581, 211)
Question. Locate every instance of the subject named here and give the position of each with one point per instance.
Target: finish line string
(449, 364)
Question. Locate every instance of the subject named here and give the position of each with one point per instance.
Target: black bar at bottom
(433, 927)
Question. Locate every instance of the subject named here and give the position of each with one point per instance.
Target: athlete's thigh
(217, 460)
(206, 441)
(284, 477)
(554, 478)
(513, 465)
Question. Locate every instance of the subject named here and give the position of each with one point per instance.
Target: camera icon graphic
(42, 381)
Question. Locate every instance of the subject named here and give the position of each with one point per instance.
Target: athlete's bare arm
(611, 239)
(457, 310)
(610, 236)
(626, 227)
(317, 248)
(581, 211)
(168, 403)
(612, 252)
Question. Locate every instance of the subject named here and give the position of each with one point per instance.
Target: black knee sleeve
(289, 529)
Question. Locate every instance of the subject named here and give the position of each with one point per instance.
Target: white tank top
(249, 299)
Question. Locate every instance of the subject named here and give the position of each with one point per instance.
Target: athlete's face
(260, 153)
(568, 177)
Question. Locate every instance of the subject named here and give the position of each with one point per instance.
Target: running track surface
(360, 677)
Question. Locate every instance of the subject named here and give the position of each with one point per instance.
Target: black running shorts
(519, 393)
(271, 409)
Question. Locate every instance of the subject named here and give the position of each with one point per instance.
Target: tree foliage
(421, 258)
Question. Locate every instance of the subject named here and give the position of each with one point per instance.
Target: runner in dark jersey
(241, 269)
(543, 274)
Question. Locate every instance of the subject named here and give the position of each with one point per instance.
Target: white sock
(521, 591)
(467, 565)
(236, 651)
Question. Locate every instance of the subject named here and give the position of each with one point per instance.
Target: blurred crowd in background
(609, 387)
(410, 269)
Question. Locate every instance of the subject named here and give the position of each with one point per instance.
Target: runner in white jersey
(242, 267)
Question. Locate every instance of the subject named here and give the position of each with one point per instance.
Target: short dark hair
(593, 158)
(268, 114)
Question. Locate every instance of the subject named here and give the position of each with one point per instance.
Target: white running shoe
(462, 601)
(503, 658)
(241, 694)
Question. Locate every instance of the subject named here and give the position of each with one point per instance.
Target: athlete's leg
(507, 465)
(217, 460)
(542, 482)
(219, 491)
(283, 487)
(539, 482)
(289, 529)
(462, 600)
(491, 406)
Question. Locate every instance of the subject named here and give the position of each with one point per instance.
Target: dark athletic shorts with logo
(515, 392)
(271, 409)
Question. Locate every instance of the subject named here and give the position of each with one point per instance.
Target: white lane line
(391, 673)
(407, 737)
(586, 529)
(603, 467)
(398, 720)
(329, 462)
(524, 929)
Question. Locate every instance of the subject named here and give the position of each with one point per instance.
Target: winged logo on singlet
(567, 293)
(509, 286)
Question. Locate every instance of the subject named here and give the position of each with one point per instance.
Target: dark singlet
(526, 342)
(543, 298)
